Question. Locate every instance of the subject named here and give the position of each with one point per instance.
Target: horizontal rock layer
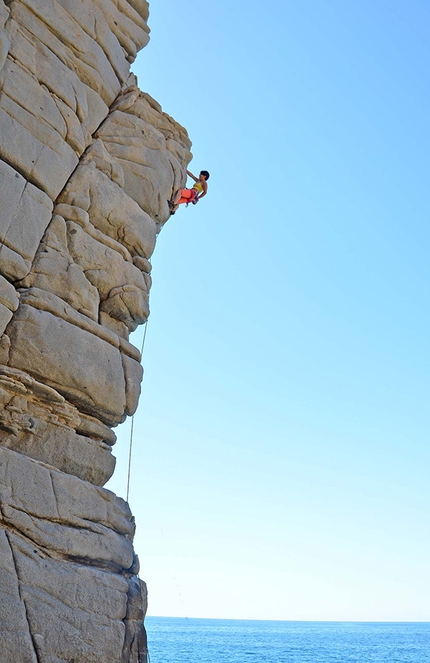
(67, 569)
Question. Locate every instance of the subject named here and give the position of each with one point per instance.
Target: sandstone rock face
(87, 165)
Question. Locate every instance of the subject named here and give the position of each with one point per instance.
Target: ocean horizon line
(295, 621)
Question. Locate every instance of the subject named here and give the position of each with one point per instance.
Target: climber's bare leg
(177, 197)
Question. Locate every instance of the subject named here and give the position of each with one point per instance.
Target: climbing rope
(130, 449)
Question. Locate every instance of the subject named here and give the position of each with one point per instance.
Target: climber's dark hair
(205, 173)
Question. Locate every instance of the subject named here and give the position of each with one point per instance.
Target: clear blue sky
(281, 455)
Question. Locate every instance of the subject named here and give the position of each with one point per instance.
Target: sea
(176, 640)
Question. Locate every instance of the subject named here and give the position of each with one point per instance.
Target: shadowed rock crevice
(31, 634)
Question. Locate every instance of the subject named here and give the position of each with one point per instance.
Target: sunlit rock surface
(87, 165)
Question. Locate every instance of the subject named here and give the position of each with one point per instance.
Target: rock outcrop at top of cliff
(87, 164)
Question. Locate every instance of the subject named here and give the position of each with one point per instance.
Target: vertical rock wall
(87, 164)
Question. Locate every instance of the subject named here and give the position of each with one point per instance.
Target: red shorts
(187, 196)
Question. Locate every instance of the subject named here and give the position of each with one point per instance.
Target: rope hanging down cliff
(193, 195)
(132, 422)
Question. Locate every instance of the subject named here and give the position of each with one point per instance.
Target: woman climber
(199, 189)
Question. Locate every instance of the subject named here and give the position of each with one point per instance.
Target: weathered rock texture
(87, 164)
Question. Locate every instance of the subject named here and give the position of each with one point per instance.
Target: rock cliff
(87, 164)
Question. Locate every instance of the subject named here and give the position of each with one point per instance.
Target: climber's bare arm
(196, 179)
(204, 192)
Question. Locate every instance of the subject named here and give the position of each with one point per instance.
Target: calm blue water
(230, 641)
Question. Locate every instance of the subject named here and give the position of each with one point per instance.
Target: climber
(199, 189)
